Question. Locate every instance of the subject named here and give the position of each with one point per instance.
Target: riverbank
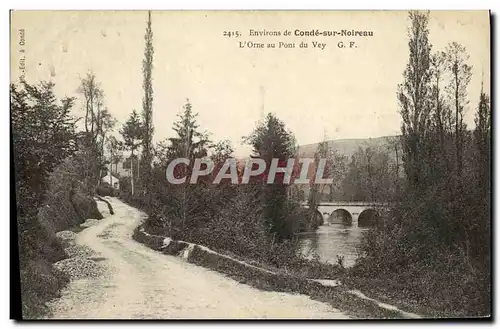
(420, 289)
(265, 277)
(426, 291)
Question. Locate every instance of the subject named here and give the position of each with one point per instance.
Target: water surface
(330, 240)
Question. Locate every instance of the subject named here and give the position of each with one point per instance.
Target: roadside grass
(388, 290)
(432, 294)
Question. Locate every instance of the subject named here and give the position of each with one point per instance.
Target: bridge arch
(368, 218)
(341, 216)
(320, 217)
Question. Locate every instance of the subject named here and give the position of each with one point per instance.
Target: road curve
(140, 283)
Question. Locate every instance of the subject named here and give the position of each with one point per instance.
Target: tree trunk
(132, 171)
(111, 175)
(138, 168)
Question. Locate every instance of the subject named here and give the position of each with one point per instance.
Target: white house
(111, 180)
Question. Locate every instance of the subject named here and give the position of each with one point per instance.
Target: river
(330, 240)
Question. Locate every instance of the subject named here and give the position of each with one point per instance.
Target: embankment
(341, 297)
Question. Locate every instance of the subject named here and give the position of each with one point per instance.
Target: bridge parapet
(351, 209)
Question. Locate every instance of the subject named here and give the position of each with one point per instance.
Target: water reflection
(330, 240)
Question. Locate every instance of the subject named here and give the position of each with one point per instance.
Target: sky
(335, 93)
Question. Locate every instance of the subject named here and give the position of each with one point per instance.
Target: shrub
(414, 255)
(40, 282)
(103, 190)
(66, 203)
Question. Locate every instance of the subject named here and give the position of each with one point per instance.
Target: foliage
(189, 142)
(49, 187)
(436, 239)
(115, 150)
(43, 133)
(66, 203)
(270, 139)
(188, 199)
(97, 124)
(147, 111)
(370, 176)
(132, 133)
(225, 216)
(56, 168)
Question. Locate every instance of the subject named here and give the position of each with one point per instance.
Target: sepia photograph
(250, 164)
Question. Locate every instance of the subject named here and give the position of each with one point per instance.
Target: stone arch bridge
(356, 213)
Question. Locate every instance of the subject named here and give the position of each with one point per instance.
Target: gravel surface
(140, 283)
(78, 268)
(66, 235)
(80, 251)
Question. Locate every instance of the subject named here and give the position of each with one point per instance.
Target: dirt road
(140, 283)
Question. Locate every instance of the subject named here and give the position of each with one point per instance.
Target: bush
(67, 203)
(40, 282)
(85, 206)
(103, 190)
(413, 255)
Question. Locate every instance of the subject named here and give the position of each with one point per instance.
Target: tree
(161, 154)
(351, 184)
(43, 135)
(147, 109)
(115, 149)
(438, 224)
(323, 152)
(188, 143)
(482, 175)
(270, 139)
(107, 123)
(337, 171)
(394, 146)
(442, 118)
(97, 123)
(413, 97)
(369, 176)
(43, 132)
(315, 192)
(132, 134)
(222, 151)
(482, 138)
(461, 72)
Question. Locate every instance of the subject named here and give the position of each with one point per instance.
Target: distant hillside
(347, 147)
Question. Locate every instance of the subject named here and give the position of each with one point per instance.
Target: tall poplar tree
(413, 97)
(461, 73)
(147, 109)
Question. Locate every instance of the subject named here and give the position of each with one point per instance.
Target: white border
(190, 4)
